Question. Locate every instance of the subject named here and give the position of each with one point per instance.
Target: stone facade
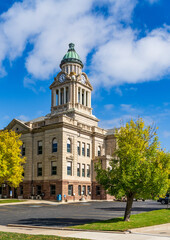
(62, 147)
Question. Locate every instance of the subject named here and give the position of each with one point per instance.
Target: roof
(39, 119)
(71, 56)
(110, 131)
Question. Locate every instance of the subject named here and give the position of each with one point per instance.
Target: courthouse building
(62, 147)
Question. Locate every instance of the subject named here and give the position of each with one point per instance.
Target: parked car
(164, 200)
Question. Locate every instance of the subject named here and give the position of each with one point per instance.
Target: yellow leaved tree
(11, 161)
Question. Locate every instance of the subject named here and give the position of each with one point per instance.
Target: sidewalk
(162, 233)
(35, 201)
(30, 201)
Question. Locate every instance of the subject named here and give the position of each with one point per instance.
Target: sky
(124, 45)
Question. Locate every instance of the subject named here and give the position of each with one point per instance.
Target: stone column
(84, 98)
(89, 99)
(59, 96)
(54, 97)
(64, 95)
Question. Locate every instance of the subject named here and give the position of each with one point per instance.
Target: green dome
(71, 56)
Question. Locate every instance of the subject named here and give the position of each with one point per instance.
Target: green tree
(139, 168)
(11, 161)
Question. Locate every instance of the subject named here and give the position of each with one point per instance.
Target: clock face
(83, 79)
(62, 78)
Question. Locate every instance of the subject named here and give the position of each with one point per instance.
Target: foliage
(11, 201)
(138, 220)
(139, 168)
(11, 161)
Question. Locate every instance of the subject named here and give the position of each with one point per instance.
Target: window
(99, 151)
(52, 189)
(78, 169)
(78, 148)
(83, 170)
(39, 169)
(79, 190)
(23, 149)
(69, 146)
(54, 145)
(39, 147)
(88, 170)
(70, 190)
(53, 168)
(21, 190)
(84, 190)
(88, 190)
(69, 168)
(83, 149)
(88, 150)
(38, 190)
(97, 190)
(23, 173)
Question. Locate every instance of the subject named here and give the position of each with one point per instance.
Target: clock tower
(71, 89)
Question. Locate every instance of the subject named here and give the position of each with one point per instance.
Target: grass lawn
(138, 220)
(20, 236)
(11, 201)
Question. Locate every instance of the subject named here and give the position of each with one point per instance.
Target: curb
(67, 229)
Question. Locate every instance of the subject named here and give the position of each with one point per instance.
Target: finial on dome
(71, 46)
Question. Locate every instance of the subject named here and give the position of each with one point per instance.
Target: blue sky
(124, 44)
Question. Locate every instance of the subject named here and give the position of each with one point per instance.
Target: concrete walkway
(160, 232)
(29, 201)
(35, 201)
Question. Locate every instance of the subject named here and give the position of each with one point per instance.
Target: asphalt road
(70, 214)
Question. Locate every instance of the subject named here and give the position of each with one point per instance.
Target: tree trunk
(128, 206)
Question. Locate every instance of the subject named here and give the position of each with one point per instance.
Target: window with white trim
(69, 168)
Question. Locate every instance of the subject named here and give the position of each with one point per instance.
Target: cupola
(71, 61)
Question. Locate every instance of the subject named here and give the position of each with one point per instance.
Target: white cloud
(23, 118)
(166, 134)
(128, 108)
(6, 117)
(153, 1)
(109, 107)
(125, 59)
(49, 25)
(30, 83)
(120, 56)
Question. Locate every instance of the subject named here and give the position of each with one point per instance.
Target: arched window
(54, 145)
(99, 151)
(69, 146)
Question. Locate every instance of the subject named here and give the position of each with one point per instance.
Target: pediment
(17, 126)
